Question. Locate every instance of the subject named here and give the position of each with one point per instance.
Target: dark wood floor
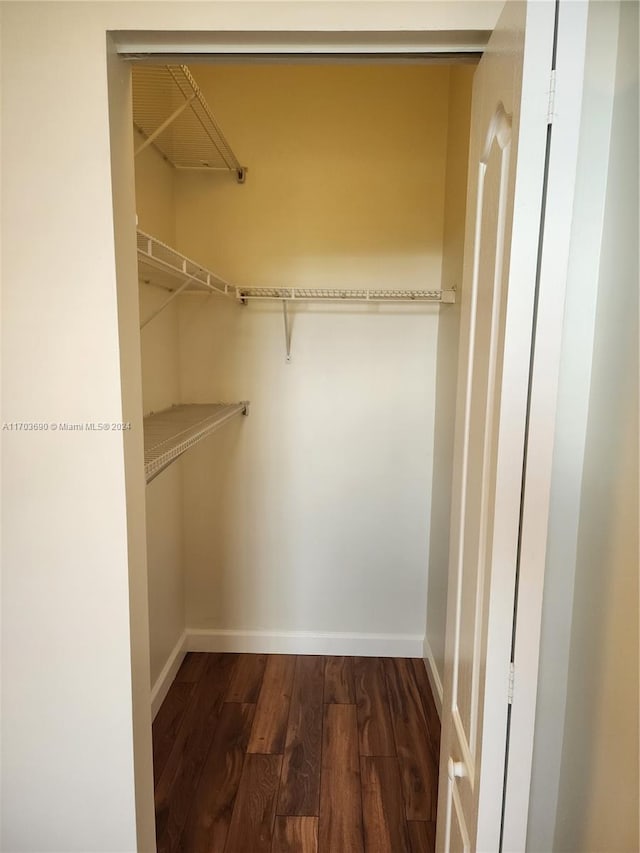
(311, 754)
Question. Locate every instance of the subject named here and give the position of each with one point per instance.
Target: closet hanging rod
(171, 113)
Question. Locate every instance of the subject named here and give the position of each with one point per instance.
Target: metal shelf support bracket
(287, 329)
(165, 124)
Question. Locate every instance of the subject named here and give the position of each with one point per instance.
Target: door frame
(261, 45)
(565, 109)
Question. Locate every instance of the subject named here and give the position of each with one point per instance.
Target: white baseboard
(281, 643)
(166, 677)
(434, 676)
(303, 643)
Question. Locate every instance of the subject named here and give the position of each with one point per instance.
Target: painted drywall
(155, 206)
(599, 794)
(571, 419)
(313, 513)
(347, 176)
(70, 658)
(460, 85)
(67, 721)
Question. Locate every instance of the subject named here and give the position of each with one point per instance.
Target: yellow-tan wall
(313, 514)
(346, 176)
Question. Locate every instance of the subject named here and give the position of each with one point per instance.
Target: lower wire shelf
(170, 433)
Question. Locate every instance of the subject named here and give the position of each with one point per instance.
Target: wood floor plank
(272, 712)
(338, 681)
(374, 719)
(181, 774)
(385, 825)
(429, 705)
(295, 835)
(246, 679)
(252, 821)
(209, 818)
(340, 824)
(167, 723)
(422, 835)
(193, 666)
(300, 785)
(418, 767)
(334, 789)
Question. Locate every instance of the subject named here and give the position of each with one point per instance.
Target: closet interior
(300, 242)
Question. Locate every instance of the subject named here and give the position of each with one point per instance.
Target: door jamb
(565, 107)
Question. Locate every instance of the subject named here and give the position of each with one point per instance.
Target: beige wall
(71, 656)
(461, 80)
(599, 794)
(312, 514)
(346, 169)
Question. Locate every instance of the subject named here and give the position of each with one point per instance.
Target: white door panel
(506, 176)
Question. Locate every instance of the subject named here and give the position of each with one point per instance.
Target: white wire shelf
(165, 267)
(299, 294)
(170, 433)
(170, 112)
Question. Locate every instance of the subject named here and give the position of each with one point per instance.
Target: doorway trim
(127, 46)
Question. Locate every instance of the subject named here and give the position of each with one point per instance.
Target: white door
(504, 210)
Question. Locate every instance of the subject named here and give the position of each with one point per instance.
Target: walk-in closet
(300, 242)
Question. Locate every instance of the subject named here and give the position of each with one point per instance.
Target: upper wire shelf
(170, 112)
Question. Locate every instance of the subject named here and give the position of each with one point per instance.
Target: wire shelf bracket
(171, 113)
(170, 433)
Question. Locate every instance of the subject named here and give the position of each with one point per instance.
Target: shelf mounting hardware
(165, 124)
(161, 308)
(287, 330)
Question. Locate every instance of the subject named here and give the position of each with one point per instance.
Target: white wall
(573, 790)
(312, 514)
(599, 792)
(460, 84)
(160, 351)
(571, 418)
(71, 657)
